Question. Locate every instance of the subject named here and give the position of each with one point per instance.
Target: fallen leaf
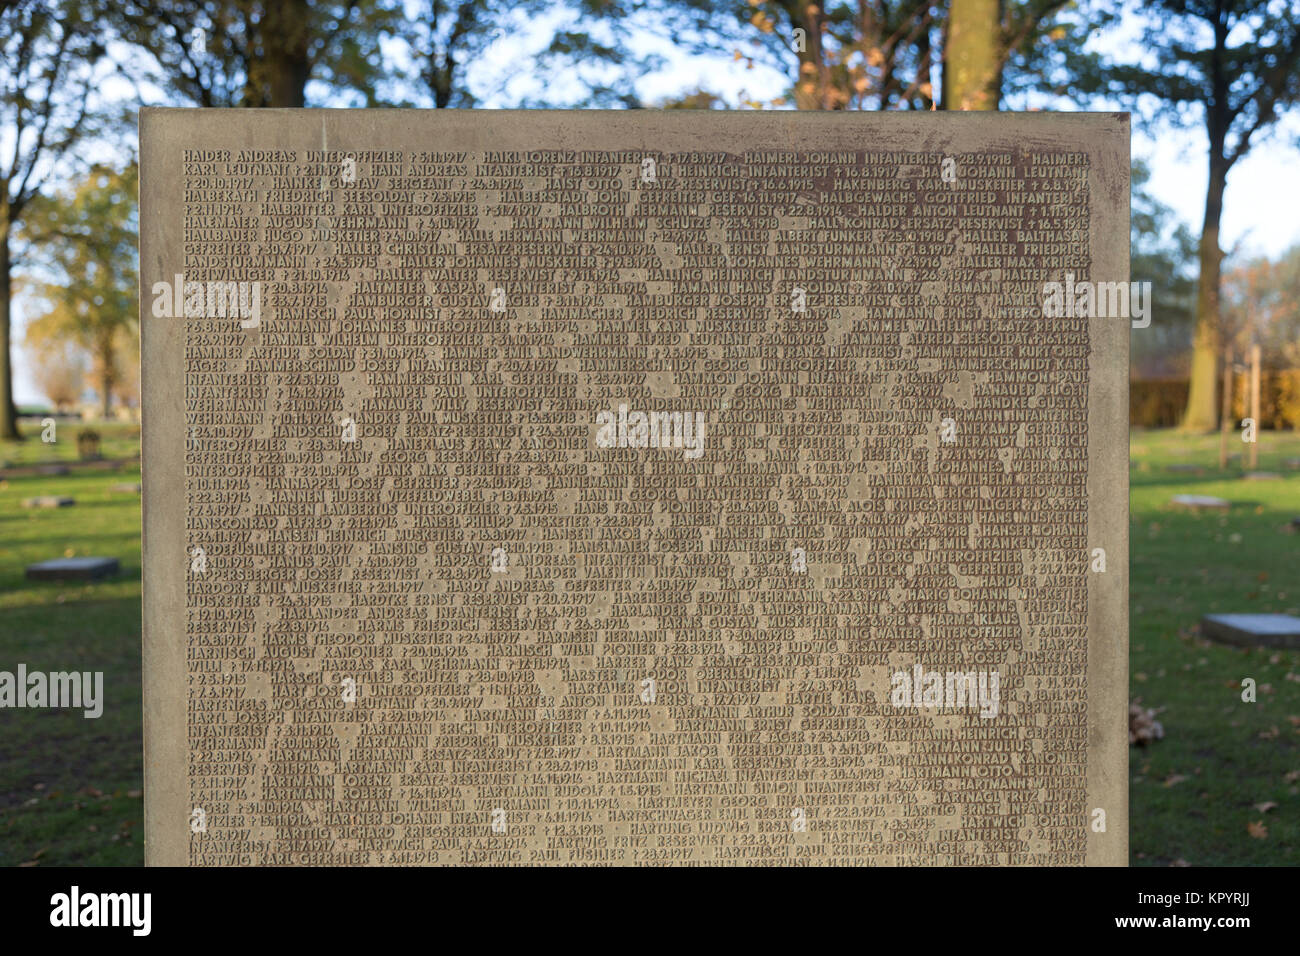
(1257, 830)
(1266, 806)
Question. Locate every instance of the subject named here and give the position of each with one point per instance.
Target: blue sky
(1261, 205)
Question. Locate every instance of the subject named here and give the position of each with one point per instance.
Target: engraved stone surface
(73, 569)
(1253, 630)
(633, 488)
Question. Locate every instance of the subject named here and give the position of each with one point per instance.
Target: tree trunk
(926, 54)
(972, 66)
(285, 31)
(106, 405)
(106, 361)
(1200, 413)
(440, 81)
(8, 411)
(1225, 417)
(1254, 405)
(810, 84)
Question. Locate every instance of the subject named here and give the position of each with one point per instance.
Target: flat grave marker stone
(1200, 503)
(73, 569)
(1253, 630)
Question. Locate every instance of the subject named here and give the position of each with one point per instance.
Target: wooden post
(1225, 423)
(1254, 404)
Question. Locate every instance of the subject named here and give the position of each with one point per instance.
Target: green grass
(117, 440)
(70, 787)
(1193, 795)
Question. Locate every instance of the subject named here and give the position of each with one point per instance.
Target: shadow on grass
(70, 786)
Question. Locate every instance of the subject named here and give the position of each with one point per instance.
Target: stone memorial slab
(11, 470)
(1262, 476)
(635, 487)
(126, 487)
(49, 501)
(1253, 630)
(1200, 503)
(73, 569)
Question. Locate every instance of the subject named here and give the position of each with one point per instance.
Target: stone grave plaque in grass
(1185, 469)
(73, 569)
(126, 488)
(1253, 630)
(27, 471)
(1201, 503)
(49, 501)
(1262, 476)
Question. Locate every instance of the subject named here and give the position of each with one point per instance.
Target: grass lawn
(1195, 796)
(117, 440)
(70, 787)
